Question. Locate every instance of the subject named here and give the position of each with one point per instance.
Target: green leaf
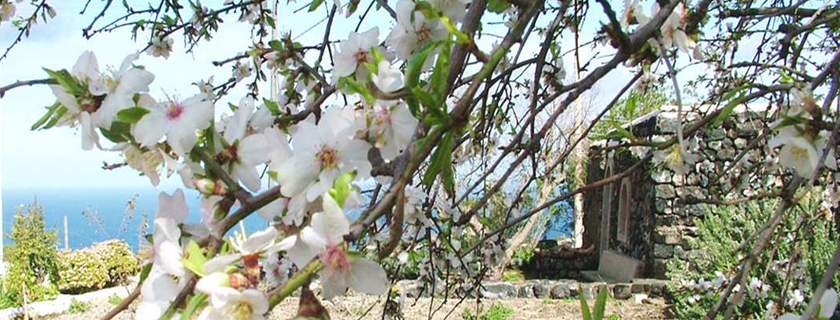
(119, 132)
(195, 259)
(622, 132)
(57, 116)
(272, 106)
(630, 104)
(315, 4)
(276, 45)
(460, 36)
(67, 81)
(132, 115)
(441, 72)
(441, 158)
(50, 111)
(147, 268)
(497, 6)
(376, 55)
(351, 86)
(600, 303)
(584, 307)
(195, 302)
(415, 65)
(727, 110)
(427, 9)
(434, 114)
(341, 188)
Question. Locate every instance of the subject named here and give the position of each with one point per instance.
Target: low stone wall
(561, 263)
(545, 289)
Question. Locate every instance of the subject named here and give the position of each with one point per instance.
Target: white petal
(86, 66)
(220, 263)
(332, 224)
(151, 128)
(248, 175)
(297, 174)
(828, 303)
(66, 99)
(332, 284)
(169, 257)
(89, 136)
(301, 252)
(174, 206)
(258, 241)
(367, 276)
(253, 150)
(257, 301)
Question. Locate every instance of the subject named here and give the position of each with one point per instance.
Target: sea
(99, 214)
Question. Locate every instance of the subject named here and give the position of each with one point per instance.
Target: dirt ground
(368, 307)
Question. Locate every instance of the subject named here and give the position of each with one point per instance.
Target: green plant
(800, 249)
(103, 264)
(597, 311)
(513, 275)
(32, 258)
(115, 299)
(524, 254)
(495, 312)
(77, 306)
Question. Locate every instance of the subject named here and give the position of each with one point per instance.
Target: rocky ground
(368, 307)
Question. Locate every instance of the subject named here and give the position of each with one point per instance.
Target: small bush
(789, 269)
(32, 258)
(496, 312)
(102, 265)
(77, 306)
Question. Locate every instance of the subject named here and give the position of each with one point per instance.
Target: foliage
(77, 306)
(513, 275)
(495, 312)
(801, 249)
(115, 299)
(32, 258)
(597, 311)
(627, 109)
(524, 254)
(102, 265)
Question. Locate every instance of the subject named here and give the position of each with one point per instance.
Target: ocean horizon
(98, 214)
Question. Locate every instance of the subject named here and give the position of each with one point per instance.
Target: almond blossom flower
(391, 128)
(322, 153)
(172, 210)
(228, 303)
(178, 121)
(800, 153)
(633, 11)
(258, 243)
(672, 33)
(161, 47)
(454, 9)
(413, 30)
(339, 269)
(388, 78)
(157, 291)
(828, 303)
(119, 89)
(354, 53)
(677, 159)
(243, 151)
(7, 10)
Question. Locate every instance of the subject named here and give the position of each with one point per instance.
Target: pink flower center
(328, 158)
(336, 259)
(361, 57)
(174, 111)
(424, 34)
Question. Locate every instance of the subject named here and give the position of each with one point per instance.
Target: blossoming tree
(436, 109)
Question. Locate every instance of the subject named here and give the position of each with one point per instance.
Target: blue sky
(54, 158)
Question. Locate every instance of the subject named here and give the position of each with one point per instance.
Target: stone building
(638, 223)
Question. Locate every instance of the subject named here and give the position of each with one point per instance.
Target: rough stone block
(499, 290)
(561, 291)
(663, 251)
(622, 291)
(541, 289)
(526, 291)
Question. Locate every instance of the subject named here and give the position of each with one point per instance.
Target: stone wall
(543, 289)
(722, 174)
(561, 263)
(665, 205)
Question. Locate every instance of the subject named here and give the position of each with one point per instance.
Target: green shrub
(82, 271)
(102, 265)
(791, 265)
(119, 260)
(496, 312)
(77, 306)
(32, 258)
